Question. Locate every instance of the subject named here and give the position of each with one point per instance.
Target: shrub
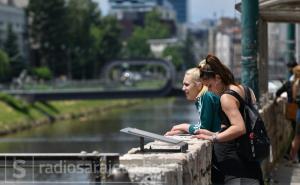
(4, 65)
(42, 73)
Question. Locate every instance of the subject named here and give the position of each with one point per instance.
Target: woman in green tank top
(207, 104)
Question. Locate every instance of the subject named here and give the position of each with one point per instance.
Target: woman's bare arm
(230, 106)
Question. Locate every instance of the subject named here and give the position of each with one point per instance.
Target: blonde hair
(195, 74)
(202, 63)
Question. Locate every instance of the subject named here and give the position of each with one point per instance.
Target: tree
(48, 32)
(83, 15)
(11, 47)
(175, 54)
(154, 28)
(4, 66)
(107, 41)
(137, 45)
(42, 73)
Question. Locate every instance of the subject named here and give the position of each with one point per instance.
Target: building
(158, 46)
(199, 36)
(16, 17)
(135, 9)
(132, 13)
(228, 48)
(16, 3)
(129, 9)
(228, 44)
(180, 7)
(200, 41)
(277, 47)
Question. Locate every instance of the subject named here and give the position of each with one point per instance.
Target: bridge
(120, 79)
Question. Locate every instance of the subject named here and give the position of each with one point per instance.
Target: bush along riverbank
(17, 114)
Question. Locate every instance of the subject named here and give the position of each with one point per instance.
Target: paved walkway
(286, 173)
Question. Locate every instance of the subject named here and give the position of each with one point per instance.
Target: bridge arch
(168, 89)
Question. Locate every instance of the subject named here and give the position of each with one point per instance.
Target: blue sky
(198, 9)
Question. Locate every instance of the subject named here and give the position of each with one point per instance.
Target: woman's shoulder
(240, 90)
(229, 97)
(237, 88)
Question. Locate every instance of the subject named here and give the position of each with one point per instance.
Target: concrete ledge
(192, 167)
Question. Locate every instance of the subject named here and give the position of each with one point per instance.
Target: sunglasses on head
(206, 73)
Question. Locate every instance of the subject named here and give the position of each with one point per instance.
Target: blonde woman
(207, 104)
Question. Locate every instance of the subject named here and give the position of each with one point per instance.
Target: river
(101, 133)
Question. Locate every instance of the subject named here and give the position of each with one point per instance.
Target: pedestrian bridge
(119, 79)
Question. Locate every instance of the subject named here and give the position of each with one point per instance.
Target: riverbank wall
(12, 121)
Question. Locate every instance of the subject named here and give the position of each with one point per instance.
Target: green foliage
(4, 65)
(137, 46)
(42, 73)
(154, 28)
(48, 30)
(73, 40)
(83, 16)
(11, 48)
(181, 56)
(63, 30)
(175, 54)
(107, 34)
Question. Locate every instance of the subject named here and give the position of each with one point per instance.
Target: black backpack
(255, 144)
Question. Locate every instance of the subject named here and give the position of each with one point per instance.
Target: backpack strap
(248, 96)
(236, 95)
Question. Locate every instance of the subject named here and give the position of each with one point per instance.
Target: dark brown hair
(213, 66)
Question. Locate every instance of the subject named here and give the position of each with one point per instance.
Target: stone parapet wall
(192, 167)
(279, 130)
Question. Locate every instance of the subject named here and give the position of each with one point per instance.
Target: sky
(198, 9)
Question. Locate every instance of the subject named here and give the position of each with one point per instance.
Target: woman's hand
(183, 127)
(178, 129)
(203, 134)
(175, 132)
